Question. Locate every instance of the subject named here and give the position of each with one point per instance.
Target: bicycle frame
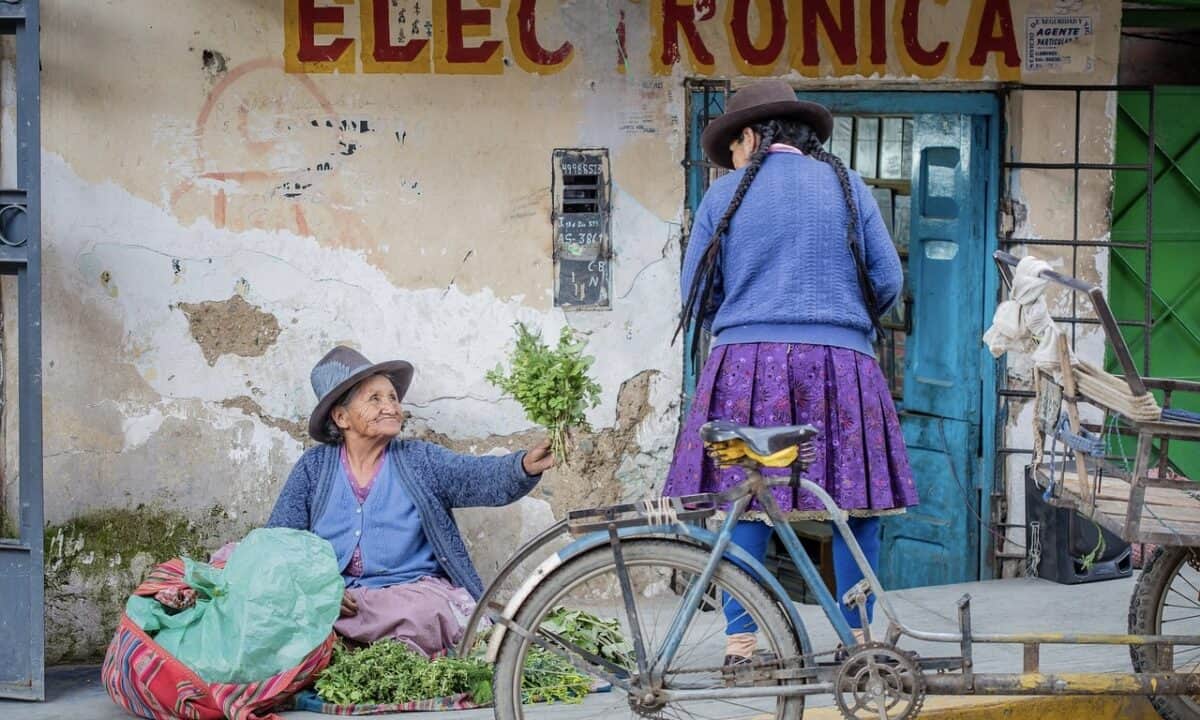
(818, 677)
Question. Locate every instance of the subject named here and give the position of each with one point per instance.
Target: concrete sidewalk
(997, 606)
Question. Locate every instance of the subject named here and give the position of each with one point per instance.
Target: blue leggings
(753, 537)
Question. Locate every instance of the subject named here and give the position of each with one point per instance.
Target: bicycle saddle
(762, 441)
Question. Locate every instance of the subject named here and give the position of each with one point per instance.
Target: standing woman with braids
(790, 266)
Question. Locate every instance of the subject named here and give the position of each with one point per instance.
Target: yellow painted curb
(1009, 707)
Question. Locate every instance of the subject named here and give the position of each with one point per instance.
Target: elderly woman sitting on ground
(385, 505)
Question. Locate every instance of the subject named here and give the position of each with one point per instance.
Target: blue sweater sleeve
(477, 481)
(708, 214)
(292, 506)
(701, 234)
(883, 263)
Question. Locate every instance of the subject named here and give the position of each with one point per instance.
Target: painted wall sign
(965, 39)
(1058, 43)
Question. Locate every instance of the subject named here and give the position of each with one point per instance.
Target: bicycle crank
(879, 682)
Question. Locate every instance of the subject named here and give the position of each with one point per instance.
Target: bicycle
(630, 551)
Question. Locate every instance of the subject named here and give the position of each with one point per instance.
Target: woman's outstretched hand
(538, 459)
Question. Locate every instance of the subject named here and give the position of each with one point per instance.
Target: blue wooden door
(937, 542)
(942, 390)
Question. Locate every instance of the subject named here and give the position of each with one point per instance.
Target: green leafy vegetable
(552, 385)
(590, 633)
(550, 678)
(390, 672)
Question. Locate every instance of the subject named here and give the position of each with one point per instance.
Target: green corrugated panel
(1175, 272)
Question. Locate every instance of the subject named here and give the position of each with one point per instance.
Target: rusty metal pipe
(1066, 684)
(1052, 638)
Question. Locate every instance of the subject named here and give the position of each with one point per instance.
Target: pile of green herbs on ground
(388, 672)
(552, 385)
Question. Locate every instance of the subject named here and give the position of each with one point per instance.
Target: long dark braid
(699, 303)
(813, 147)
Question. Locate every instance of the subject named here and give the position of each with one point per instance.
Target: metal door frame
(21, 561)
(704, 98)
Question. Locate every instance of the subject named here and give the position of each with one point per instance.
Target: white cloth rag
(1023, 322)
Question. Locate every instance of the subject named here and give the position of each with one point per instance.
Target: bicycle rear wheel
(590, 582)
(1166, 601)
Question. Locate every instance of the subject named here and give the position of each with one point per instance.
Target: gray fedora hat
(341, 369)
(761, 101)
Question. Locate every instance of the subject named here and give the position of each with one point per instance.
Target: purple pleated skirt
(861, 460)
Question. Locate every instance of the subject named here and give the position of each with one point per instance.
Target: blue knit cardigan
(436, 479)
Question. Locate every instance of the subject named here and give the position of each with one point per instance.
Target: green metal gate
(1160, 286)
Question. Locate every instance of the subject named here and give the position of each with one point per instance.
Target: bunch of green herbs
(552, 385)
(389, 672)
(548, 677)
(591, 633)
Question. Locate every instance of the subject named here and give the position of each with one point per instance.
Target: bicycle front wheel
(590, 583)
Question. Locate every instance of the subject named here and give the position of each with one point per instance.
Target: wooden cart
(1115, 471)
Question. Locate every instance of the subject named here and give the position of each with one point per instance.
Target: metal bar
(1054, 638)
(739, 693)
(1086, 88)
(1029, 659)
(878, 148)
(1095, 321)
(854, 142)
(635, 623)
(1075, 216)
(1172, 384)
(1069, 281)
(1066, 243)
(29, 338)
(1016, 165)
(1070, 684)
(1016, 394)
(1151, 152)
(13, 256)
(964, 642)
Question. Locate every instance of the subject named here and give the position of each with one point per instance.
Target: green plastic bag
(274, 602)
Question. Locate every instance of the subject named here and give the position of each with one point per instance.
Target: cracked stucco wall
(214, 224)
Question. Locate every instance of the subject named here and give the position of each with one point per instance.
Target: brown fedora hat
(763, 100)
(341, 369)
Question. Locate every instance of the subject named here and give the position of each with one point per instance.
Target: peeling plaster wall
(213, 225)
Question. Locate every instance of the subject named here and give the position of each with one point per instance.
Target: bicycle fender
(683, 532)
